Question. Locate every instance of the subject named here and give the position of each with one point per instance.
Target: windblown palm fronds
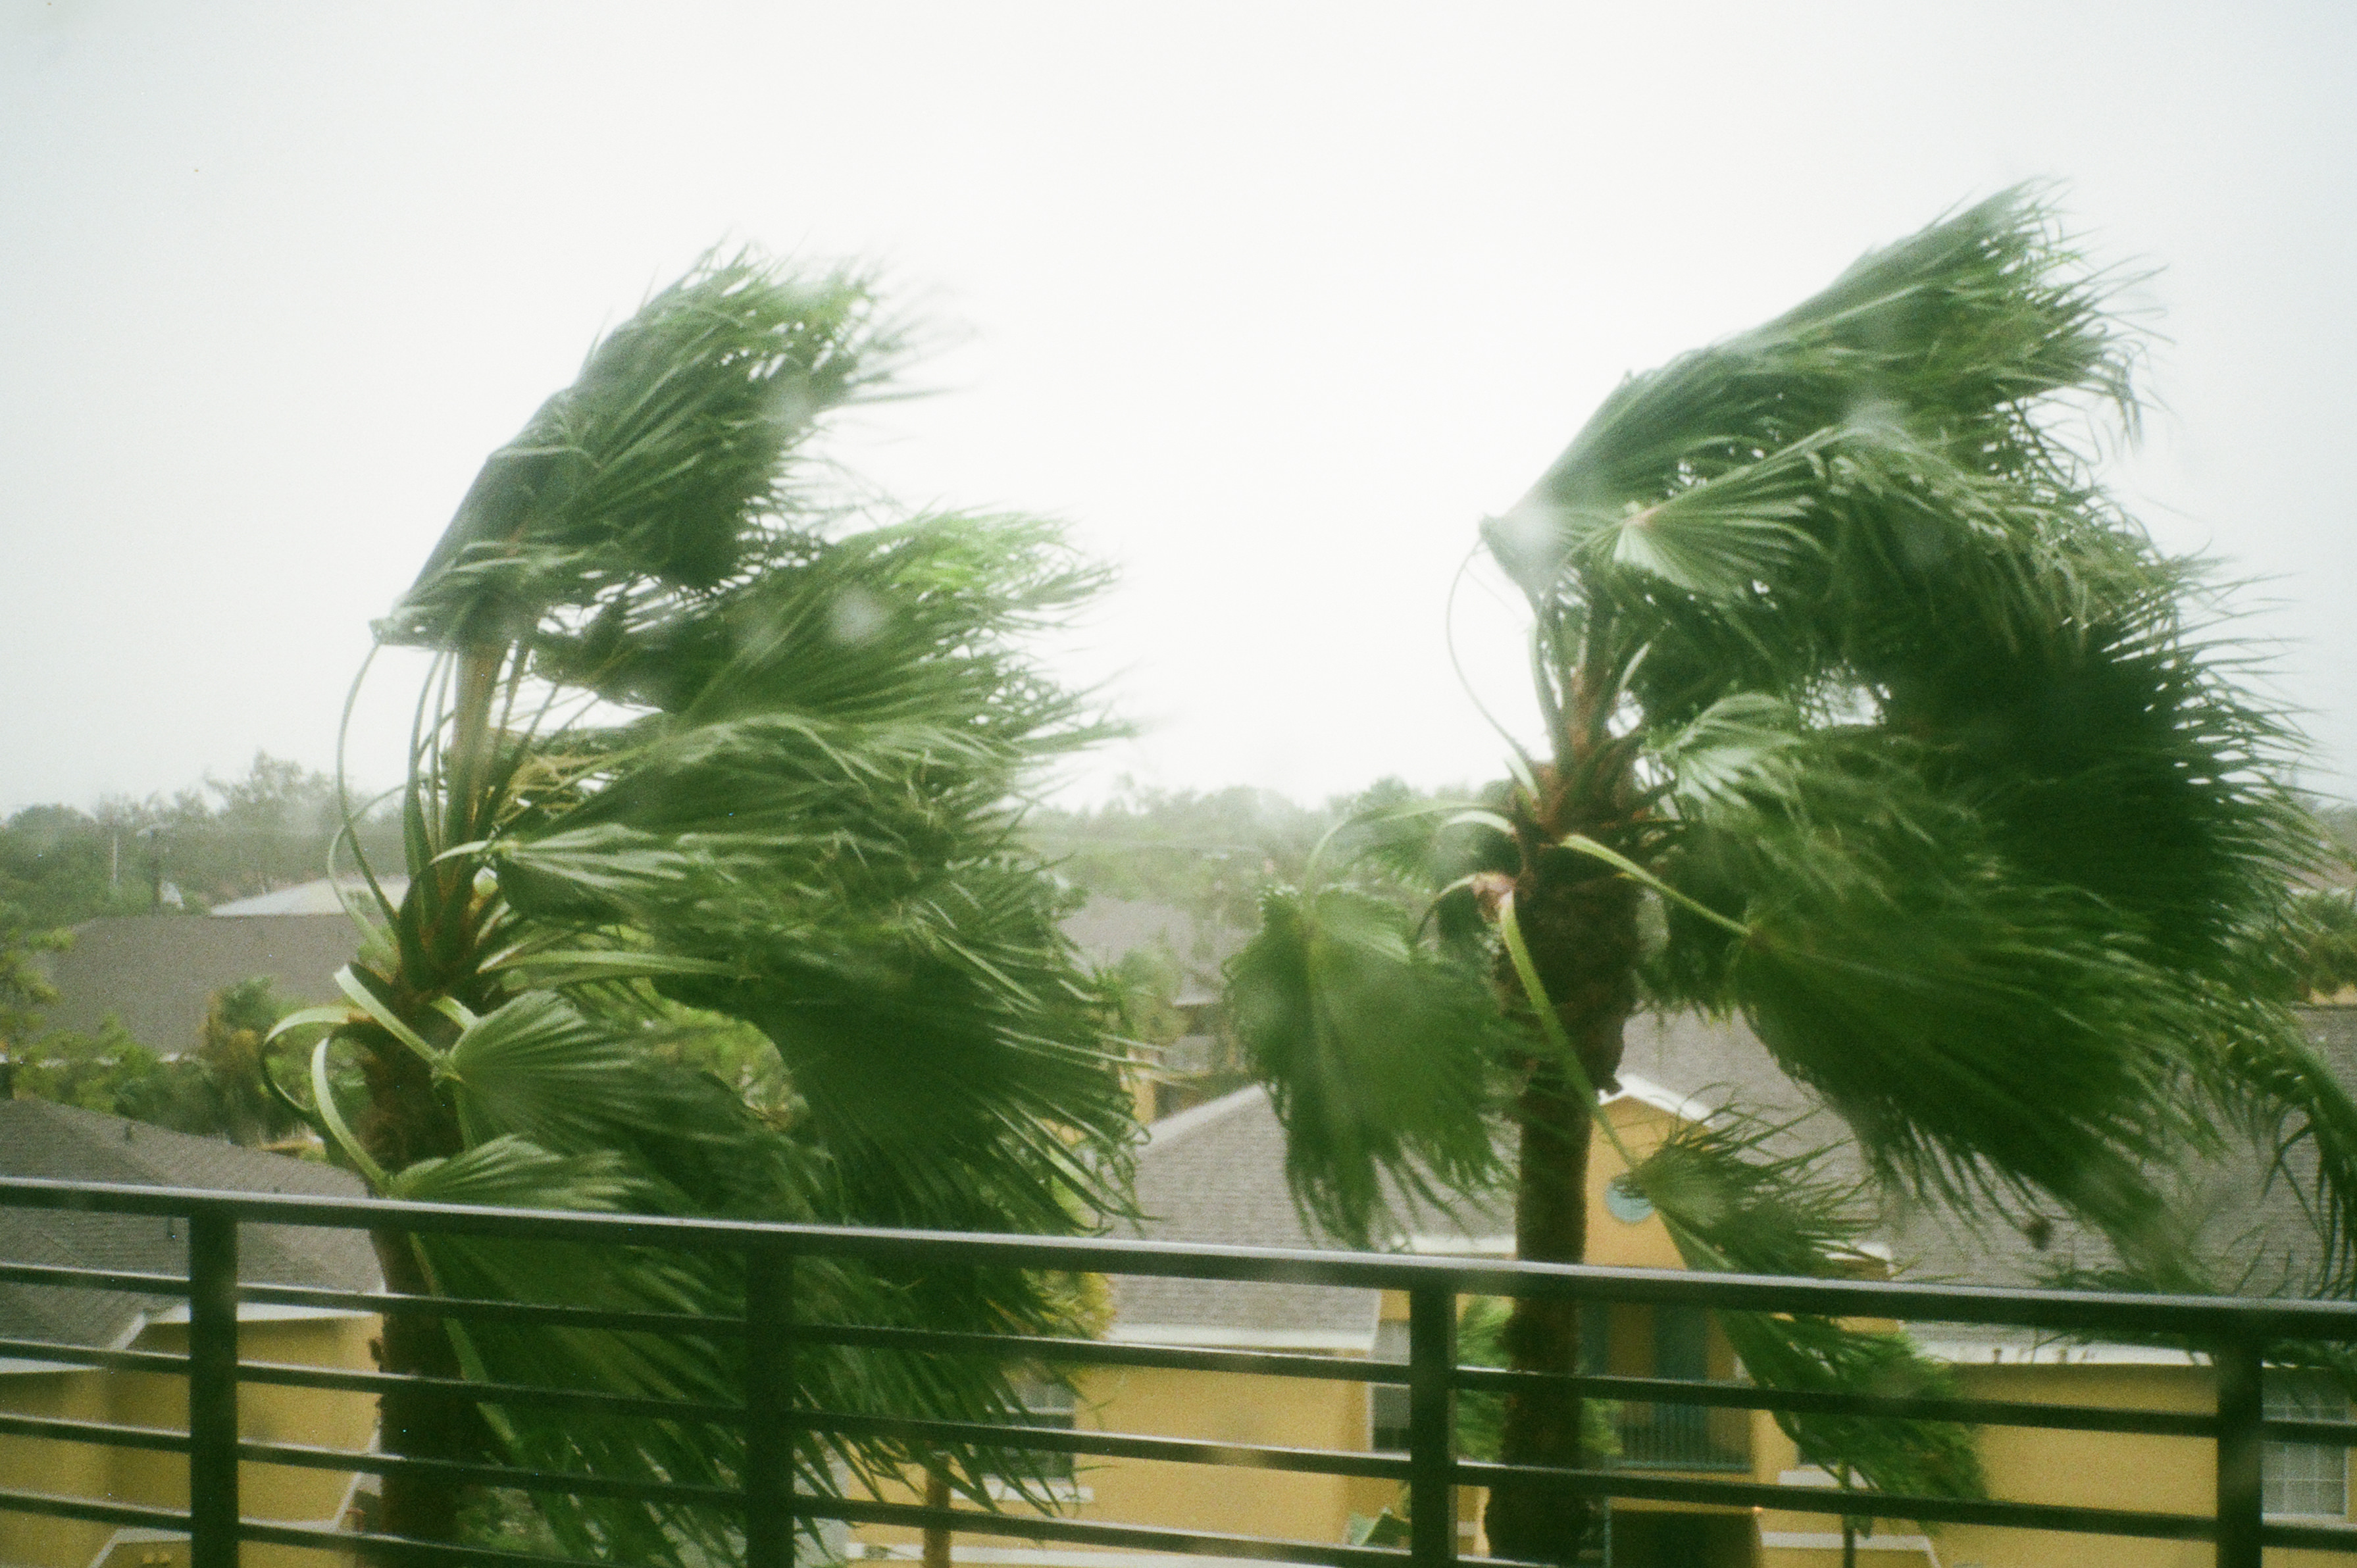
(711, 769)
(1917, 752)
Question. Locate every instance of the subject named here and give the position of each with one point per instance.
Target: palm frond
(1377, 1054)
(1981, 1031)
(660, 461)
(1962, 331)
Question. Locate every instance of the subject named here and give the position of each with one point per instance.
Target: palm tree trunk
(1545, 1523)
(937, 1537)
(1579, 921)
(405, 1123)
(414, 1423)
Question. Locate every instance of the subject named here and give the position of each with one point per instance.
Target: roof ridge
(1170, 1128)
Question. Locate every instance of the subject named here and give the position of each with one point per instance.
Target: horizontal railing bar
(65, 1278)
(381, 1301)
(570, 1483)
(2199, 1317)
(102, 1433)
(1148, 1538)
(162, 1361)
(1109, 1445)
(2061, 1516)
(280, 1374)
(56, 1506)
(2315, 1537)
(1099, 1352)
(1748, 1396)
(348, 1545)
(2332, 1434)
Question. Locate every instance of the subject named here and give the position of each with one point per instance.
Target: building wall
(1215, 1407)
(37, 1464)
(265, 1413)
(2163, 1475)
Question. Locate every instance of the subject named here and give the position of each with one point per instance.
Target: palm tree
(1868, 714)
(710, 831)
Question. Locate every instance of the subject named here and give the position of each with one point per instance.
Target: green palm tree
(710, 828)
(1869, 715)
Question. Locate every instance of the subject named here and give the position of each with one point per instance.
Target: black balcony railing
(2236, 1334)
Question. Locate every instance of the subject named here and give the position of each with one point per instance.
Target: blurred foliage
(1208, 852)
(214, 1092)
(2318, 945)
(25, 987)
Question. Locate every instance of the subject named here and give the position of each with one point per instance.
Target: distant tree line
(225, 839)
(1207, 852)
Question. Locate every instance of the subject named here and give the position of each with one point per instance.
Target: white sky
(1273, 302)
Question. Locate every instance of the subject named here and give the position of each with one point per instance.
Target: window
(2307, 1479)
(1046, 1402)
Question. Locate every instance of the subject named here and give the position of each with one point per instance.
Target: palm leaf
(1377, 1056)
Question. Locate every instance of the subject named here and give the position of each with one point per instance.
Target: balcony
(198, 1471)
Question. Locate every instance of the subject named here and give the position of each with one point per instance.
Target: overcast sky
(1273, 303)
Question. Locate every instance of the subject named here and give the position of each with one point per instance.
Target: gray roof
(1105, 928)
(1216, 1174)
(321, 896)
(62, 1142)
(2239, 1214)
(156, 973)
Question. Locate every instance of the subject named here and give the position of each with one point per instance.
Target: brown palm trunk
(1579, 921)
(937, 1537)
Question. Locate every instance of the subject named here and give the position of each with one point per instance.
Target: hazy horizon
(1272, 307)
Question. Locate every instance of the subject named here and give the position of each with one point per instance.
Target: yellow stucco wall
(1216, 1407)
(160, 1479)
(2166, 1475)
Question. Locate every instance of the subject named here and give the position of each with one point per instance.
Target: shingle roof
(1217, 1174)
(156, 973)
(38, 1138)
(1105, 928)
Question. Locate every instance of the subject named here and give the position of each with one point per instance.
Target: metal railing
(2237, 1335)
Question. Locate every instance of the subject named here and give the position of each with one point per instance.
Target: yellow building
(58, 1142)
(1215, 1173)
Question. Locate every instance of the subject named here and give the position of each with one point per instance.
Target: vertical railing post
(2241, 1408)
(1432, 1426)
(212, 1389)
(769, 1408)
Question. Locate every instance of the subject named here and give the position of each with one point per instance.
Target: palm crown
(710, 830)
(1852, 671)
